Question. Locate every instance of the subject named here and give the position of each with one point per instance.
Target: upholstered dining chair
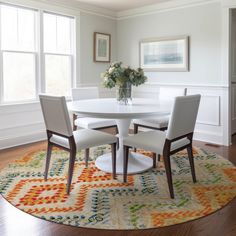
(60, 134)
(179, 136)
(160, 122)
(83, 93)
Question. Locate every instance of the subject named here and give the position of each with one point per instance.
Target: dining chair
(160, 122)
(60, 134)
(83, 93)
(178, 136)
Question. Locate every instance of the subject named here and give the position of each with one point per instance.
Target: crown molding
(162, 7)
(82, 7)
(70, 5)
(76, 6)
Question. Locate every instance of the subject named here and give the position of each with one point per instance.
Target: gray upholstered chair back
(56, 116)
(183, 116)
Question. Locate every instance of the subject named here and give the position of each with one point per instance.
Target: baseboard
(208, 137)
(22, 139)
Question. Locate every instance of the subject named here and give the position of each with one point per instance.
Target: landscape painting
(169, 54)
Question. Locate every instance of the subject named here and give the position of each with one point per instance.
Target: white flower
(111, 70)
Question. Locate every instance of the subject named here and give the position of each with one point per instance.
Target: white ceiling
(121, 5)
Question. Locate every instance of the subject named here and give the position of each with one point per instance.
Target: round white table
(123, 114)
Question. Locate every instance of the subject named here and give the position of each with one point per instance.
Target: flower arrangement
(123, 78)
(116, 75)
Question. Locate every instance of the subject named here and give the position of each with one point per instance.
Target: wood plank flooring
(14, 222)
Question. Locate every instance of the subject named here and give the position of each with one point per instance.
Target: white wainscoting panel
(23, 123)
(211, 120)
(233, 108)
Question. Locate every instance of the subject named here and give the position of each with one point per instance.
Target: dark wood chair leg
(113, 152)
(135, 128)
(135, 132)
(159, 157)
(71, 169)
(48, 158)
(168, 174)
(125, 163)
(74, 118)
(154, 157)
(117, 131)
(191, 161)
(86, 157)
(118, 144)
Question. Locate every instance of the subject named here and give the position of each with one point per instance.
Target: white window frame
(40, 82)
(70, 55)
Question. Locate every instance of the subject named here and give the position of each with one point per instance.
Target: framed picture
(102, 47)
(165, 54)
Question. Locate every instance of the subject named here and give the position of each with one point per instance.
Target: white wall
(90, 70)
(203, 25)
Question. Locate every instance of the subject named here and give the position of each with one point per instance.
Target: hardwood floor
(14, 222)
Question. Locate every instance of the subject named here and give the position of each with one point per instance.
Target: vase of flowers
(123, 78)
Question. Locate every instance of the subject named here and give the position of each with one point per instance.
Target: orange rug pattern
(98, 201)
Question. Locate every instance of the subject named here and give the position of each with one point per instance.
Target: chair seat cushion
(85, 139)
(153, 141)
(156, 122)
(94, 123)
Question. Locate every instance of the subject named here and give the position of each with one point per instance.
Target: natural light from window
(35, 61)
(58, 53)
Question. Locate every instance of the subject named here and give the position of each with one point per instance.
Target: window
(34, 61)
(18, 49)
(58, 53)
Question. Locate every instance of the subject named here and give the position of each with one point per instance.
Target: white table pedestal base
(138, 163)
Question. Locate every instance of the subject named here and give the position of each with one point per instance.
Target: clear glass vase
(124, 94)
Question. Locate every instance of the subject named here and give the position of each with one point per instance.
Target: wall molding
(208, 137)
(13, 141)
(74, 6)
(215, 120)
(162, 7)
(189, 85)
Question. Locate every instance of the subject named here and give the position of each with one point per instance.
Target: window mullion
(36, 48)
(42, 87)
(17, 28)
(73, 52)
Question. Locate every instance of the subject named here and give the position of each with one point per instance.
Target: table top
(110, 108)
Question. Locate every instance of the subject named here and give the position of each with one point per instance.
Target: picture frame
(102, 47)
(165, 54)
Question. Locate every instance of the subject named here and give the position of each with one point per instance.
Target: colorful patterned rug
(98, 201)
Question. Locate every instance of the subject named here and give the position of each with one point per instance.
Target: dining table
(110, 108)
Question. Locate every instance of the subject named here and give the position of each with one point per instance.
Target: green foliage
(116, 75)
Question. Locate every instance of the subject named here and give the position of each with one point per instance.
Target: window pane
(63, 35)
(18, 28)
(9, 27)
(57, 34)
(18, 76)
(26, 29)
(50, 33)
(58, 74)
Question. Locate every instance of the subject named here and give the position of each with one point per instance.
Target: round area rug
(98, 201)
